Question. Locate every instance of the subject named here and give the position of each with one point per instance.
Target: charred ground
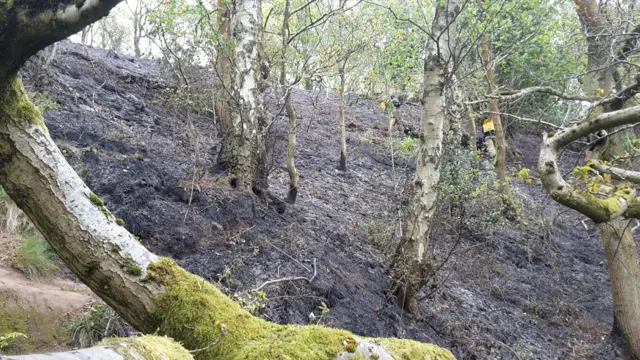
(538, 291)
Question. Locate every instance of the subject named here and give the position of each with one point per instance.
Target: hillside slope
(538, 292)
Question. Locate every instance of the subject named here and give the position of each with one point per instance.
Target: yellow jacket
(487, 125)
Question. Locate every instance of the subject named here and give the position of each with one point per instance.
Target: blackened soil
(527, 292)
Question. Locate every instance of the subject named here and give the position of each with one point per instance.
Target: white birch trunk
(409, 267)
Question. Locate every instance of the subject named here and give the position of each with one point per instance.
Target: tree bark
(620, 249)
(501, 154)
(223, 69)
(621, 253)
(243, 146)
(141, 348)
(409, 264)
(342, 165)
(294, 176)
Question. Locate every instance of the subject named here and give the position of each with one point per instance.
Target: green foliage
(407, 147)
(44, 101)
(470, 195)
(97, 323)
(34, 258)
(6, 338)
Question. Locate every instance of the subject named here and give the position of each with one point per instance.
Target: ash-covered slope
(533, 292)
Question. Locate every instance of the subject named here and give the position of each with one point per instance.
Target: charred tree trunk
(409, 264)
(342, 166)
(243, 145)
(294, 176)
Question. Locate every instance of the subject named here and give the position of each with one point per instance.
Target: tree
(223, 69)
(243, 146)
(409, 263)
(139, 16)
(487, 64)
(153, 294)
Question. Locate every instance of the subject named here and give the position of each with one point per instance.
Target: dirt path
(55, 295)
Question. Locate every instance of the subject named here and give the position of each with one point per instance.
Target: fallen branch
(295, 278)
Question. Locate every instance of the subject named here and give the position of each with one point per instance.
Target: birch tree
(409, 263)
(153, 294)
(243, 146)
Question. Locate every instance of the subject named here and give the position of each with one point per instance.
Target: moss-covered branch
(198, 314)
(141, 348)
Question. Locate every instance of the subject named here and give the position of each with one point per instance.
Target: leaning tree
(153, 294)
(409, 268)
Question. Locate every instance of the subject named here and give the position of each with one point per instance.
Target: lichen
(609, 206)
(195, 312)
(16, 106)
(150, 347)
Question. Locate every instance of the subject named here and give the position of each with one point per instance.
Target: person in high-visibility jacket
(487, 128)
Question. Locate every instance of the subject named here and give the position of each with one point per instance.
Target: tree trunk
(137, 34)
(620, 249)
(243, 147)
(141, 348)
(342, 166)
(294, 176)
(223, 69)
(409, 264)
(621, 253)
(501, 153)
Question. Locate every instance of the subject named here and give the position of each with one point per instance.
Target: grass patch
(99, 322)
(34, 258)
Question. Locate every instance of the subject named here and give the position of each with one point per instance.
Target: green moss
(120, 222)
(135, 270)
(409, 349)
(194, 311)
(611, 205)
(16, 106)
(44, 332)
(136, 237)
(115, 248)
(151, 347)
(95, 200)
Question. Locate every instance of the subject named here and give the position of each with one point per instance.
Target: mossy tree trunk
(141, 348)
(409, 266)
(243, 146)
(294, 176)
(154, 295)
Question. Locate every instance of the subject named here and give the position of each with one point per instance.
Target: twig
(295, 278)
(287, 255)
(242, 232)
